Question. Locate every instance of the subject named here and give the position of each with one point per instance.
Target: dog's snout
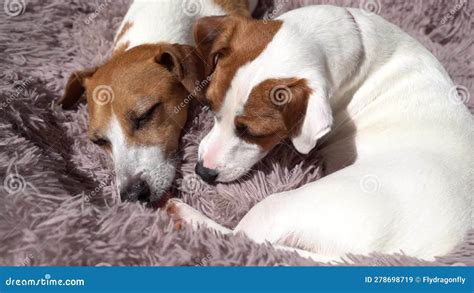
(208, 175)
(136, 191)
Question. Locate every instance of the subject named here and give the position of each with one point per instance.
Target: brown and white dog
(396, 141)
(138, 100)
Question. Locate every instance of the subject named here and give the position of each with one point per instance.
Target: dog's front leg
(182, 212)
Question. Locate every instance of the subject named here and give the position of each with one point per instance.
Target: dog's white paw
(182, 213)
(172, 209)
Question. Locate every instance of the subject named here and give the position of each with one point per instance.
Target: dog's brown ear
(290, 96)
(212, 34)
(306, 112)
(75, 87)
(187, 65)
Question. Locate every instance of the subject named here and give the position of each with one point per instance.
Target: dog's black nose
(136, 190)
(208, 175)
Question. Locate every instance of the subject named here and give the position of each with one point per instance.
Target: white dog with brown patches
(132, 98)
(397, 145)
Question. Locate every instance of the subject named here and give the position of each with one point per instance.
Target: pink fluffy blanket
(57, 201)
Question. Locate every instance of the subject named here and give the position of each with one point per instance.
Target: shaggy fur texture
(57, 201)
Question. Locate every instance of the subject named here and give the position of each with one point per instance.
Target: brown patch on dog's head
(148, 88)
(274, 111)
(227, 43)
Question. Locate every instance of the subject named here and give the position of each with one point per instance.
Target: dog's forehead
(234, 77)
(125, 84)
(247, 82)
(256, 73)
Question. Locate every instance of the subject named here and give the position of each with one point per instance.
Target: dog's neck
(336, 55)
(325, 57)
(338, 61)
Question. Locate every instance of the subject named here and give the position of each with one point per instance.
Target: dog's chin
(159, 200)
(161, 193)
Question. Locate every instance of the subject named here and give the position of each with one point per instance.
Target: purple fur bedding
(57, 198)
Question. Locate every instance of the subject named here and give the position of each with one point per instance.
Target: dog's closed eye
(144, 118)
(216, 58)
(100, 141)
(243, 130)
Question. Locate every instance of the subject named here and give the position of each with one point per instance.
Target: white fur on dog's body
(156, 21)
(409, 184)
(151, 22)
